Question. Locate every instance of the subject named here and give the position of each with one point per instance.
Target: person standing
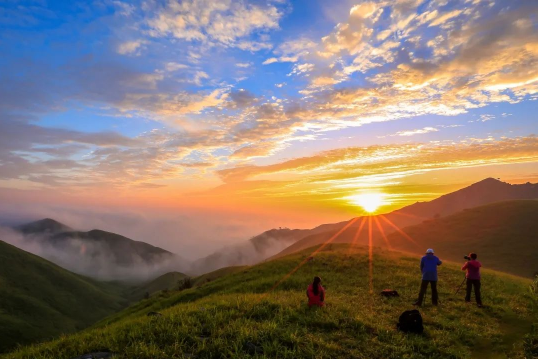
(428, 267)
(472, 266)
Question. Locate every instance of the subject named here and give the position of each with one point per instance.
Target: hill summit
(43, 226)
(487, 191)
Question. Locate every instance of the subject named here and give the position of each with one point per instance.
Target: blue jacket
(428, 266)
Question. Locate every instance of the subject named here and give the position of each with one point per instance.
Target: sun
(370, 202)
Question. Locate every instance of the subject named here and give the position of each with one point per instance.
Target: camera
(467, 258)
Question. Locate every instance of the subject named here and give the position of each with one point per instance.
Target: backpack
(410, 322)
(389, 293)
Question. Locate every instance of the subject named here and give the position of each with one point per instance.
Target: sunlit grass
(231, 317)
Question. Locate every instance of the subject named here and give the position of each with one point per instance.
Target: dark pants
(423, 287)
(476, 284)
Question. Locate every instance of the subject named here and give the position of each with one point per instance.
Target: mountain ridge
(414, 214)
(96, 253)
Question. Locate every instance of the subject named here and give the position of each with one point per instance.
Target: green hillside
(236, 315)
(39, 300)
(504, 234)
(167, 281)
(208, 277)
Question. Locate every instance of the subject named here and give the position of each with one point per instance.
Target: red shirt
(315, 299)
(473, 269)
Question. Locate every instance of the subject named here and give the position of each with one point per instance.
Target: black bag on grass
(389, 293)
(410, 322)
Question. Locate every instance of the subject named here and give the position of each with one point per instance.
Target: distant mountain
(96, 253)
(252, 251)
(280, 242)
(40, 300)
(503, 234)
(484, 192)
(44, 226)
(487, 191)
(124, 251)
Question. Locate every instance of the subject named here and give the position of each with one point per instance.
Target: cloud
(383, 62)
(224, 23)
(348, 36)
(291, 51)
(130, 47)
(241, 98)
(445, 17)
(174, 66)
(255, 150)
(486, 117)
(270, 60)
(357, 162)
(416, 132)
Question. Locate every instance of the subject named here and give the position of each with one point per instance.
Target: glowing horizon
(369, 201)
(247, 115)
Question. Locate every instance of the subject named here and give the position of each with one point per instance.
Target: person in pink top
(472, 266)
(316, 293)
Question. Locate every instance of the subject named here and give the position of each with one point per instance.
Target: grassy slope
(166, 281)
(196, 282)
(171, 281)
(208, 277)
(504, 234)
(39, 300)
(224, 317)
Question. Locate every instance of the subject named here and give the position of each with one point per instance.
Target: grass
(167, 281)
(40, 300)
(208, 277)
(234, 316)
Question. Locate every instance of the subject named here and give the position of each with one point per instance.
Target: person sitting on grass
(473, 278)
(316, 293)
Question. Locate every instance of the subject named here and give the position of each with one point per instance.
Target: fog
(191, 234)
(245, 253)
(93, 258)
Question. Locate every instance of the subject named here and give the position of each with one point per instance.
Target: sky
(210, 121)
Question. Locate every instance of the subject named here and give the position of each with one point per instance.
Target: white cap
(429, 251)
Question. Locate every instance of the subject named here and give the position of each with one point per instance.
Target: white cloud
(130, 47)
(270, 60)
(486, 117)
(446, 17)
(226, 23)
(292, 51)
(174, 66)
(416, 132)
(199, 76)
